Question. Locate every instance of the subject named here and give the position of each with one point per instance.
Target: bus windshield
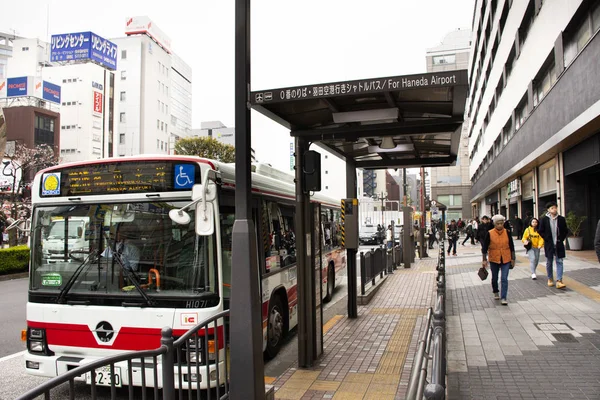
(120, 249)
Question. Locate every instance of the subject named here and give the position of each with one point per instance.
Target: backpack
(470, 229)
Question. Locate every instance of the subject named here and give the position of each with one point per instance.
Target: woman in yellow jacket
(533, 238)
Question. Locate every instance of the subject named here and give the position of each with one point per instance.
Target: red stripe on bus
(128, 338)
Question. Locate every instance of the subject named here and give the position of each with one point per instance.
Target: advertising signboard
(84, 46)
(16, 86)
(143, 24)
(97, 104)
(51, 92)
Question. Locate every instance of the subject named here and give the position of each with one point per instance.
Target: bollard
(168, 364)
(363, 273)
(434, 391)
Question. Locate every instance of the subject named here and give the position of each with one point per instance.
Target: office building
(452, 185)
(153, 91)
(534, 108)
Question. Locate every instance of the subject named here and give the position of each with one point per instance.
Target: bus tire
(275, 327)
(330, 283)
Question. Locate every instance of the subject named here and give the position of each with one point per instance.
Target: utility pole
(405, 188)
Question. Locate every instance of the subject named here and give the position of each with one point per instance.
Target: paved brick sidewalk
(544, 345)
(369, 357)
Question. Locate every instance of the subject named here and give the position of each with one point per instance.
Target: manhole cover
(565, 337)
(553, 327)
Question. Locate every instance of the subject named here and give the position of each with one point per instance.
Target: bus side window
(336, 231)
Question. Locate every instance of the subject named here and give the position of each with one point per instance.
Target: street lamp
(381, 196)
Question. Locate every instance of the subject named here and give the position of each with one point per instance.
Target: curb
(10, 277)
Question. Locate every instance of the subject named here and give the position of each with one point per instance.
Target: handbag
(528, 246)
(483, 273)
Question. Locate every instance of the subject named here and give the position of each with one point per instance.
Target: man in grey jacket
(597, 240)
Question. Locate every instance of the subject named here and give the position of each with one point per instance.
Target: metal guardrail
(432, 345)
(199, 357)
(377, 262)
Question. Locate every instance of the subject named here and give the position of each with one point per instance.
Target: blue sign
(51, 184)
(184, 176)
(84, 46)
(51, 92)
(16, 86)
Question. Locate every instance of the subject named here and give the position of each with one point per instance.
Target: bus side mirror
(79, 232)
(205, 219)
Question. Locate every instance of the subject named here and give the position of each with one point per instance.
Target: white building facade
(86, 112)
(153, 92)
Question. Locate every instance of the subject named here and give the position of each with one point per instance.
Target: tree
(206, 147)
(32, 160)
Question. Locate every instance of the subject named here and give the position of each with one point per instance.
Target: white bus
(174, 268)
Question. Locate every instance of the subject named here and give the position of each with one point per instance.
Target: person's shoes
(504, 302)
(550, 282)
(453, 254)
(560, 285)
(533, 276)
(496, 296)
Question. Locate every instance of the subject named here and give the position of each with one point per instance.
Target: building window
(162, 126)
(526, 23)
(521, 112)
(544, 80)
(510, 62)
(508, 131)
(44, 130)
(157, 143)
(577, 35)
(166, 127)
(162, 145)
(64, 81)
(123, 75)
(123, 96)
(123, 54)
(158, 86)
(122, 117)
(121, 138)
(450, 200)
(167, 109)
(448, 180)
(158, 105)
(25, 48)
(167, 91)
(497, 145)
(158, 124)
(444, 59)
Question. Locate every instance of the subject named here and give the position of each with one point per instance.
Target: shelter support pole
(247, 368)
(306, 305)
(351, 193)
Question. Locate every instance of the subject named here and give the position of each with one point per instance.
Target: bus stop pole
(306, 306)
(351, 253)
(247, 368)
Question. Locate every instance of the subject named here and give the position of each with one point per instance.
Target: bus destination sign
(120, 177)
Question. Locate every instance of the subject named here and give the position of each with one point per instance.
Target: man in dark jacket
(519, 227)
(597, 240)
(484, 227)
(553, 229)
(527, 220)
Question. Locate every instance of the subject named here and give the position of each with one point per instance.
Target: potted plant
(574, 224)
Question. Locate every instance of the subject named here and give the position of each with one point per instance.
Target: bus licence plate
(103, 376)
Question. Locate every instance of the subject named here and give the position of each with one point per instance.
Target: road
(14, 381)
(13, 299)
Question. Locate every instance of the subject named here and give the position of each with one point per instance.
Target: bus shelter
(379, 123)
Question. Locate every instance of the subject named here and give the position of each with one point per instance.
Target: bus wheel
(330, 283)
(275, 327)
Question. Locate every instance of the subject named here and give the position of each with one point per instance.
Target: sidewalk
(545, 344)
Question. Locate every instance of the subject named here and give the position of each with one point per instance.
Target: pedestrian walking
(597, 241)
(431, 232)
(553, 229)
(388, 237)
(527, 219)
(452, 237)
(470, 233)
(519, 226)
(484, 227)
(476, 228)
(499, 249)
(533, 243)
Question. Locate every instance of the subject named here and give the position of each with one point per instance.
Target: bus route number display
(120, 177)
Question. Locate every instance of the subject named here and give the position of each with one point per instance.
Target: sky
(292, 43)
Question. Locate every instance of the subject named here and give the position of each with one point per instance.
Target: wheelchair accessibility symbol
(184, 176)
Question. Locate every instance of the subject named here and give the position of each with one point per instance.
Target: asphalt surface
(14, 381)
(13, 300)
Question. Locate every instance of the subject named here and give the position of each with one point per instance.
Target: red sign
(97, 102)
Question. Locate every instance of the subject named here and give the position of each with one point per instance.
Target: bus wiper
(63, 293)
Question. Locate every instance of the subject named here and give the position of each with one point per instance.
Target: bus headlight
(36, 346)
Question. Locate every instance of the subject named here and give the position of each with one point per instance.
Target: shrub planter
(575, 243)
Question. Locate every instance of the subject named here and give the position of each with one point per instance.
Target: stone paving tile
(522, 357)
